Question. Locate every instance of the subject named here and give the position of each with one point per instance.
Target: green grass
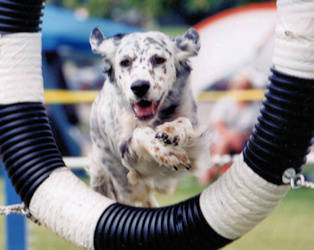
(173, 30)
(290, 226)
(43, 239)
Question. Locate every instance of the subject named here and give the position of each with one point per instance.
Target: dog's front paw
(171, 157)
(175, 132)
(168, 138)
(143, 142)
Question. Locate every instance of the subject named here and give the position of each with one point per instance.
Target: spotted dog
(144, 125)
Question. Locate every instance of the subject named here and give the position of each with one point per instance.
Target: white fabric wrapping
(239, 200)
(66, 206)
(20, 68)
(294, 43)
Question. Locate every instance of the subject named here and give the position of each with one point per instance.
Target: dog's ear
(103, 46)
(187, 45)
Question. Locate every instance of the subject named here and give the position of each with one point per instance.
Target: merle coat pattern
(144, 125)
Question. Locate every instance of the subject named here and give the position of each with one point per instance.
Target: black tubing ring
(20, 16)
(180, 226)
(27, 146)
(283, 133)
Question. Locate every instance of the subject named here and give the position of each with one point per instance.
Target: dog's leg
(151, 201)
(100, 180)
(108, 176)
(142, 192)
(145, 145)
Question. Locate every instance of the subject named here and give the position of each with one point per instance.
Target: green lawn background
(289, 227)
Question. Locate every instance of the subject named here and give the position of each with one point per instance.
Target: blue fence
(15, 225)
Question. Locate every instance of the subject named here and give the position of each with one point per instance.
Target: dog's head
(144, 65)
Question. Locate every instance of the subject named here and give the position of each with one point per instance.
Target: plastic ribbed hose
(27, 146)
(283, 133)
(20, 16)
(181, 226)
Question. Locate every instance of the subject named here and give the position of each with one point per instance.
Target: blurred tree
(193, 10)
(99, 8)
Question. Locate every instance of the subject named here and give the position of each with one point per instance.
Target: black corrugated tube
(20, 16)
(181, 226)
(27, 146)
(283, 133)
(280, 140)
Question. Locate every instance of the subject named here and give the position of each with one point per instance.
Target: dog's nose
(140, 87)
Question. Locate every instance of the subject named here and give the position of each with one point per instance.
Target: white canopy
(236, 39)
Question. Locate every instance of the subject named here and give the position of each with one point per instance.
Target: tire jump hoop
(225, 211)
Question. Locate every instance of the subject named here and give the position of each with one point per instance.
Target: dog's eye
(157, 60)
(126, 63)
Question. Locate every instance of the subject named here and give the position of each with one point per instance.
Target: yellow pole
(54, 96)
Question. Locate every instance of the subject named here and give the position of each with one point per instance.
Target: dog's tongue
(144, 109)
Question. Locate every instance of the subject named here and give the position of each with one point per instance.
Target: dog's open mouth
(145, 110)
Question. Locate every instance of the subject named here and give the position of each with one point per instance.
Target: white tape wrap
(20, 68)
(294, 43)
(66, 206)
(239, 200)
